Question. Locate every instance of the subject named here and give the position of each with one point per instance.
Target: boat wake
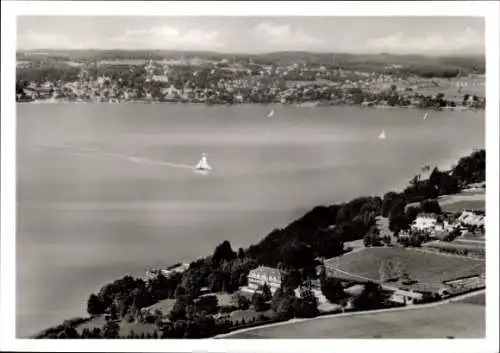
(93, 152)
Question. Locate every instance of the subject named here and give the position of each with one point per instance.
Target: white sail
(271, 113)
(426, 116)
(203, 164)
(382, 135)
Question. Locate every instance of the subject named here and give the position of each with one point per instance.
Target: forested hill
(446, 66)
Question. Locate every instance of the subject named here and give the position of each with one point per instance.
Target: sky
(258, 34)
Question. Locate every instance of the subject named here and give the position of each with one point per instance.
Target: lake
(106, 190)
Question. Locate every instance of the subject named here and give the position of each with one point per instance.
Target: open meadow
(461, 201)
(457, 320)
(429, 270)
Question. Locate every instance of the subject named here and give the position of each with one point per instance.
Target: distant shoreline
(303, 105)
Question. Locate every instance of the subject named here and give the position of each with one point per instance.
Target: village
(237, 82)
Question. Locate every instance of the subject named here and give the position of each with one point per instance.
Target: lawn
(98, 321)
(138, 328)
(458, 320)
(165, 306)
(237, 315)
(428, 269)
(224, 299)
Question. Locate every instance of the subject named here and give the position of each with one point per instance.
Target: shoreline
(303, 105)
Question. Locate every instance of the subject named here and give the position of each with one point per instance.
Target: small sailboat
(271, 113)
(203, 165)
(382, 135)
(425, 116)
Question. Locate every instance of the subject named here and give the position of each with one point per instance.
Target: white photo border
(487, 9)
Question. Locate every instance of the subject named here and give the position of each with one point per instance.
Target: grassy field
(428, 269)
(458, 202)
(459, 320)
(248, 314)
(479, 299)
(138, 328)
(165, 306)
(470, 244)
(97, 321)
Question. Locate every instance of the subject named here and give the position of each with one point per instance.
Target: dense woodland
(295, 250)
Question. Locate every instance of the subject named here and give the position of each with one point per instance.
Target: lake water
(105, 190)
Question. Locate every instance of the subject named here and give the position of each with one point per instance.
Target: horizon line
(451, 54)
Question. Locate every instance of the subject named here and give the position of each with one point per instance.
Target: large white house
(424, 221)
(263, 275)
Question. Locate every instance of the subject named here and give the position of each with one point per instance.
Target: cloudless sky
(398, 35)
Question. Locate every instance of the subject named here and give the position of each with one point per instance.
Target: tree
(333, 291)
(179, 310)
(372, 297)
(223, 252)
(113, 312)
(383, 273)
(241, 301)
(111, 329)
(242, 280)
(412, 213)
(367, 240)
(398, 269)
(95, 305)
(283, 303)
(266, 292)
(430, 206)
(405, 278)
(258, 302)
(307, 304)
(207, 303)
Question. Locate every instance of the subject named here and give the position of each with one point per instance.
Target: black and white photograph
(250, 176)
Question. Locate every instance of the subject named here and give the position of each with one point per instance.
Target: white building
(263, 275)
(472, 217)
(405, 297)
(424, 221)
(317, 293)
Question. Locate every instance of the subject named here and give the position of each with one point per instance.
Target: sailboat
(382, 135)
(271, 113)
(426, 116)
(202, 165)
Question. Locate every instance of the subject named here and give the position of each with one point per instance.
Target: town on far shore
(422, 246)
(302, 79)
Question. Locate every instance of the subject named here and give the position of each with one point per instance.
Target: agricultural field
(464, 200)
(429, 270)
(479, 299)
(473, 248)
(457, 320)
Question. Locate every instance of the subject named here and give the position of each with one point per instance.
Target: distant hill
(361, 62)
